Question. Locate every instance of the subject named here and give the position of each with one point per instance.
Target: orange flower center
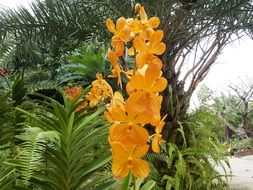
(148, 95)
(129, 128)
(130, 162)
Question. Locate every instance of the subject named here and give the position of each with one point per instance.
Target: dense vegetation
(51, 141)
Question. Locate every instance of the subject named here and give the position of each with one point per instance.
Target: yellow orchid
(146, 51)
(146, 102)
(146, 25)
(72, 92)
(143, 91)
(116, 71)
(117, 101)
(151, 81)
(128, 134)
(126, 159)
(100, 91)
(127, 124)
(122, 33)
(155, 143)
(137, 8)
(126, 116)
(157, 137)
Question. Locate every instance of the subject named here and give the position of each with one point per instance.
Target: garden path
(242, 173)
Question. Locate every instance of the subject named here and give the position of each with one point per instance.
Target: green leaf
(126, 182)
(148, 185)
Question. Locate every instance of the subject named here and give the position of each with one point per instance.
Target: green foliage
(193, 165)
(7, 56)
(242, 144)
(6, 132)
(63, 148)
(10, 125)
(7, 173)
(9, 118)
(211, 121)
(38, 77)
(34, 144)
(204, 94)
(43, 33)
(19, 91)
(228, 105)
(83, 65)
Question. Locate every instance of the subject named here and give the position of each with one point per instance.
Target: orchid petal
(110, 25)
(140, 168)
(159, 50)
(141, 59)
(120, 24)
(154, 22)
(160, 85)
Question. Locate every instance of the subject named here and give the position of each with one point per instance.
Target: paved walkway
(242, 173)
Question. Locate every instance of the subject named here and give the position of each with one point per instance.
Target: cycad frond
(54, 20)
(82, 66)
(7, 56)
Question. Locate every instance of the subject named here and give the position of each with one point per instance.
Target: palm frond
(54, 20)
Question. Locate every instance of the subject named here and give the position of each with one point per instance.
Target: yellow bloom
(146, 51)
(122, 33)
(137, 8)
(150, 81)
(128, 134)
(135, 26)
(155, 143)
(146, 25)
(146, 102)
(122, 115)
(128, 125)
(117, 101)
(100, 91)
(143, 93)
(116, 71)
(126, 159)
(72, 92)
(157, 137)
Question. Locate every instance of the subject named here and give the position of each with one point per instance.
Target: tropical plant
(63, 147)
(83, 64)
(9, 118)
(49, 29)
(198, 29)
(241, 144)
(212, 121)
(10, 125)
(194, 165)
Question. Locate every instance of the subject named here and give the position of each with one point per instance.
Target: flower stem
(134, 60)
(134, 182)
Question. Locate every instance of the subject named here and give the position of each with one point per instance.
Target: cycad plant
(63, 147)
(83, 64)
(49, 29)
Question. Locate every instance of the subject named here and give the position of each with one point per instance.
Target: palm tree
(51, 28)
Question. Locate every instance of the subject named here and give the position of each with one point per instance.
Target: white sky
(14, 3)
(235, 62)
